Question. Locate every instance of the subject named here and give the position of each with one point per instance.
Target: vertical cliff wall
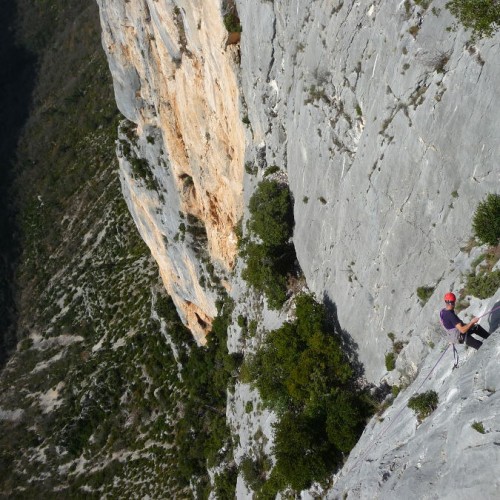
(176, 80)
(385, 121)
(382, 117)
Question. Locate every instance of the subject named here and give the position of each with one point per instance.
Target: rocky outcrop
(384, 121)
(454, 452)
(174, 74)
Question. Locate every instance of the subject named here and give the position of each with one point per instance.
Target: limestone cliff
(176, 79)
(382, 118)
(454, 452)
(385, 123)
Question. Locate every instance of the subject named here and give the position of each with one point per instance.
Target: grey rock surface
(444, 456)
(389, 138)
(387, 126)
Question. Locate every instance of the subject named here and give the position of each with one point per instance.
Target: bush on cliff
(484, 284)
(269, 255)
(272, 213)
(483, 281)
(423, 404)
(302, 374)
(486, 220)
(482, 17)
(202, 435)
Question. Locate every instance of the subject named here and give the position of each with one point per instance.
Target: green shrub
(250, 168)
(202, 435)
(345, 420)
(270, 260)
(232, 23)
(424, 293)
(302, 453)
(271, 170)
(254, 471)
(297, 353)
(395, 390)
(302, 373)
(423, 404)
(266, 274)
(486, 220)
(479, 427)
(483, 285)
(272, 215)
(225, 483)
(390, 361)
(482, 17)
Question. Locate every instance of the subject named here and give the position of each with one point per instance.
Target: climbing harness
(453, 336)
(456, 357)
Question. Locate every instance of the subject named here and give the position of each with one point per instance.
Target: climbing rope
(489, 312)
(456, 357)
(381, 433)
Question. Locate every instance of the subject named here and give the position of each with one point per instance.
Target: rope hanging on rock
(489, 312)
(397, 414)
(456, 360)
(456, 357)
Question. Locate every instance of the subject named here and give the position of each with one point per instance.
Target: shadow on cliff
(349, 346)
(495, 318)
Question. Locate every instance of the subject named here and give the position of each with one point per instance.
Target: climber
(456, 329)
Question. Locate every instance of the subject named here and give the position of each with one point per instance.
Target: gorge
(379, 121)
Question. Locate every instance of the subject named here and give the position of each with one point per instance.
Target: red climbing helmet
(450, 297)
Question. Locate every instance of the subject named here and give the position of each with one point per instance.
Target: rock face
(386, 125)
(382, 118)
(176, 79)
(453, 453)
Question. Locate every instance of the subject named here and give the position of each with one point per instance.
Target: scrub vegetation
(483, 280)
(230, 18)
(302, 373)
(268, 252)
(482, 17)
(479, 427)
(424, 293)
(108, 394)
(486, 220)
(423, 404)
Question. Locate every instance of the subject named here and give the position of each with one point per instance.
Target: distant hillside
(16, 85)
(91, 397)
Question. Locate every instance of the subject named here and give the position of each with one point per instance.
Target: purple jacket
(449, 320)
